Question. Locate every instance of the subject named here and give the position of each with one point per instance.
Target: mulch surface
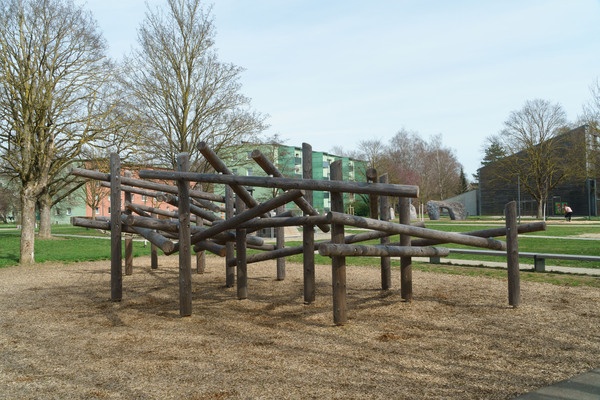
(61, 336)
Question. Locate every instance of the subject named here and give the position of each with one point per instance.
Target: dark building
(498, 186)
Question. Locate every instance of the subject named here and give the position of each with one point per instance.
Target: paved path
(581, 387)
(500, 264)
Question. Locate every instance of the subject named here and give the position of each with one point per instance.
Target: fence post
(308, 232)
(280, 244)
(240, 253)
(386, 262)
(512, 254)
(185, 252)
(229, 245)
(406, 291)
(338, 263)
(116, 251)
(128, 237)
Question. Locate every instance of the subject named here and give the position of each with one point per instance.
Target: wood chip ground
(61, 336)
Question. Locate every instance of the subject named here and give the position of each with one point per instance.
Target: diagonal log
(392, 227)
(219, 166)
(271, 169)
(493, 232)
(254, 212)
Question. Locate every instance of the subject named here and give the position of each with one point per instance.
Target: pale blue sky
(333, 73)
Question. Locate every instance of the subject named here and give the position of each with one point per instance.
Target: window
(58, 211)
(249, 172)
(69, 211)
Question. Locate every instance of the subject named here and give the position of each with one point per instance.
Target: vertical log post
(373, 206)
(229, 246)
(406, 291)
(116, 251)
(308, 231)
(386, 262)
(338, 263)
(240, 252)
(280, 244)
(185, 251)
(200, 255)
(153, 252)
(128, 237)
(512, 254)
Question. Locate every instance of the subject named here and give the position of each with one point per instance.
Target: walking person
(568, 213)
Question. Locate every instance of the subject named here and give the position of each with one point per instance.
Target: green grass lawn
(82, 244)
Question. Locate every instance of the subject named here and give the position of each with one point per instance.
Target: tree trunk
(45, 202)
(27, 227)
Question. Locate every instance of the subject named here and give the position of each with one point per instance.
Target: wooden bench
(539, 259)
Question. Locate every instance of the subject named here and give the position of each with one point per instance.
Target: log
(133, 189)
(254, 212)
(215, 248)
(338, 263)
(288, 183)
(185, 250)
(386, 262)
(512, 255)
(90, 223)
(200, 212)
(331, 250)
(308, 233)
(271, 169)
(173, 227)
(280, 244)
(392, 227)
(159, 187)
(116, 252)
(229, 246)
(406, 287)
(270, 255)
(261, 223)
(364, 236)
(485, 233)
(240, 254)
(128, 238)
(265, 247)
(219, 166)
(166, 245)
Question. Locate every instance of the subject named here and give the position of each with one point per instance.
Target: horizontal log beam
(160, 187)
(261, 223)
(382, 189)
(269, 255)
(334, 250)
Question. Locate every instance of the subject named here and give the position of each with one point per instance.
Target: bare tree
(591, 110)
(372, 151)
(591, 117)
(440, 177)
(52, 69)
(180, 89)
(532, 137)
